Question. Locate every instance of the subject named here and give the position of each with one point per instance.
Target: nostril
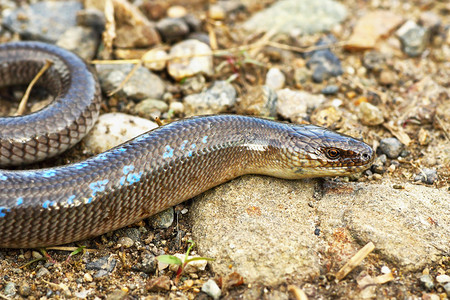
(365, 156)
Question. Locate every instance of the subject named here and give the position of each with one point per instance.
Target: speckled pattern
(159, 169)
(58, 126)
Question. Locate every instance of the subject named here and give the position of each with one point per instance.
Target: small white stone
(155, 59)
(275, 79)
(114, 129)
(176, 107)
(176, 11)
(87, 277)
(443, 278)
(195, 57)
(212, 289)
(385, 270)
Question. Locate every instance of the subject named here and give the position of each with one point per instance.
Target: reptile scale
(137, 179)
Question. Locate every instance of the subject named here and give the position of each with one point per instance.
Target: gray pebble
(324, 63)
(391, 147)
(379, 164)
(133, 233)
(42, 272)
(172, 29)
(148, 264)
(374, 61)
(81, 40)
(151, 108)
(429, 176)
(330, 90)
(163, 219)
(201, 37)
(211, 289)
(427, 281)
(103, 266)
(414, 38)
(194, 23)
(93, 18)
(142, 84)
(259, 100)
(10, 289)
(24, 290)
(125, 242)
(219, 98)
(194, 84)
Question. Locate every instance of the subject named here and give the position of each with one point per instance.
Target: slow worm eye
(332, 153)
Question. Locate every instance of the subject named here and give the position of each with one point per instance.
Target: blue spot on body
(134, 177)
(205, 139)
(98, 186)
(168, 153)
(190, 153)
(70, 200)
(80, 166)
(89, 200)
(193, 146)
(128, 169)
(46, 204)
(183, 145)
(3, 210)
(49, 173)
(3, 177)
(121, 149)
(19, 201)
(122, 180)
(102, 156)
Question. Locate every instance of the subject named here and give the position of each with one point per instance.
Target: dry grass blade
(222, 52)
(298, 293)
(26, 96)
(355, 260)
(121, 85)
(384, 278)
(446, 132)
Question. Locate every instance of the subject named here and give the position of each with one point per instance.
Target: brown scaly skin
(160, 169)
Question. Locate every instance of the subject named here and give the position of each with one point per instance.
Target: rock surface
(304, 15)
(44, 21)
(266, 228)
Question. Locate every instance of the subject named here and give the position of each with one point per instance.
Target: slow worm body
(154, 171)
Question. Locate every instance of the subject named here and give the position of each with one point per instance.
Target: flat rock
(371, 27)
(45, 21)
(261, 226)
(270, 229)
(307, 16)
(408, 226)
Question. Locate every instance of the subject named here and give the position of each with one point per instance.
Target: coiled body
(160, 169)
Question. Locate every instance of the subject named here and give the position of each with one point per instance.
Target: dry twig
(26, 96)
(355, 261)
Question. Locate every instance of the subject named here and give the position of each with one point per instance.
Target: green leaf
(169, 259)
(200, 258)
